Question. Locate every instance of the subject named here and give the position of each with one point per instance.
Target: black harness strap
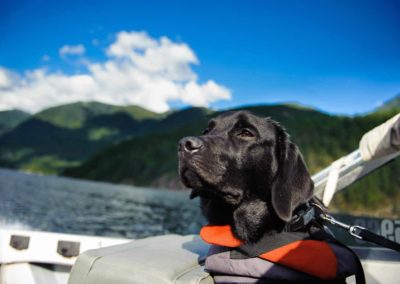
(374, 238)
(362, 233)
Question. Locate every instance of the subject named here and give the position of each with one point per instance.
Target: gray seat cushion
(163, 259)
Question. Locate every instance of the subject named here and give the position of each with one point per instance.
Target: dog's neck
(249, 221)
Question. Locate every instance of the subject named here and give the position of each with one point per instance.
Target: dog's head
(241, 157)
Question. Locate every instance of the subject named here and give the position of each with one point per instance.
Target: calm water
(55, 204)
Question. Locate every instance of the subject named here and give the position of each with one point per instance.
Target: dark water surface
(55, 204)
(49, 203)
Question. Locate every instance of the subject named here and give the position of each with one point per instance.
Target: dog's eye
(245, 133)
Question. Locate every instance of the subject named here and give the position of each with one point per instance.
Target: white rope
(333, 178)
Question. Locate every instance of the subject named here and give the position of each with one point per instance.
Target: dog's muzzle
(190, 145)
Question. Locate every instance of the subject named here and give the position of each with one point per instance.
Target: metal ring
(352, 231)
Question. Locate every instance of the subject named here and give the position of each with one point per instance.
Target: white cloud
(72, 50)
(127, 42)
(7, 78)
(39, 89)
(139, 70)
(163, 57)
(202, 95)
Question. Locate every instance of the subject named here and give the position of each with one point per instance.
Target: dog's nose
(190, 144)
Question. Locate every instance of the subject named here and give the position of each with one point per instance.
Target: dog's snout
(190, 144)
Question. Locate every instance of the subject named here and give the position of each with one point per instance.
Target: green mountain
(76, 114)
(11, 118)
(67, 135)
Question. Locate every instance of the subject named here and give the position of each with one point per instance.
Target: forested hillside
(11, 118)
(67, 135)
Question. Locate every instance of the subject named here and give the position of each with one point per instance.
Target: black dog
(247, 173)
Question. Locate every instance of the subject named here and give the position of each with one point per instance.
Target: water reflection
(80, 207)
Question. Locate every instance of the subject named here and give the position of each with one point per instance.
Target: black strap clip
(302, 219)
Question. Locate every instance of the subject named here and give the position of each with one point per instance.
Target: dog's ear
(292, 184)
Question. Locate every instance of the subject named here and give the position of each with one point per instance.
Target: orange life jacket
(313, 257)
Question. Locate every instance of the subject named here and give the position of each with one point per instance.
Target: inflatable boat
(41, 257)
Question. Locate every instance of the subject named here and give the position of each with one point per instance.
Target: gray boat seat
(162, 259)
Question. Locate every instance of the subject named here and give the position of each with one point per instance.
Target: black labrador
(247, 173)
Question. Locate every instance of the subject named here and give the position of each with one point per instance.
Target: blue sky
(338, 56)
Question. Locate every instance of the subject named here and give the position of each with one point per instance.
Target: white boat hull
(42, 261)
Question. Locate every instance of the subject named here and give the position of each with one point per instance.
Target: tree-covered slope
(11, 118)
(68, 135)
(76, 114)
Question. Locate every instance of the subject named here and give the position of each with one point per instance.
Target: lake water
(49, 203)
(56, 204)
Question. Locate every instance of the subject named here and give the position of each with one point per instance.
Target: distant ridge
(11, 118)
(393, 103)
(74, 115)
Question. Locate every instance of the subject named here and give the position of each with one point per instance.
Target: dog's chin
(201, 187)
(190, 178)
